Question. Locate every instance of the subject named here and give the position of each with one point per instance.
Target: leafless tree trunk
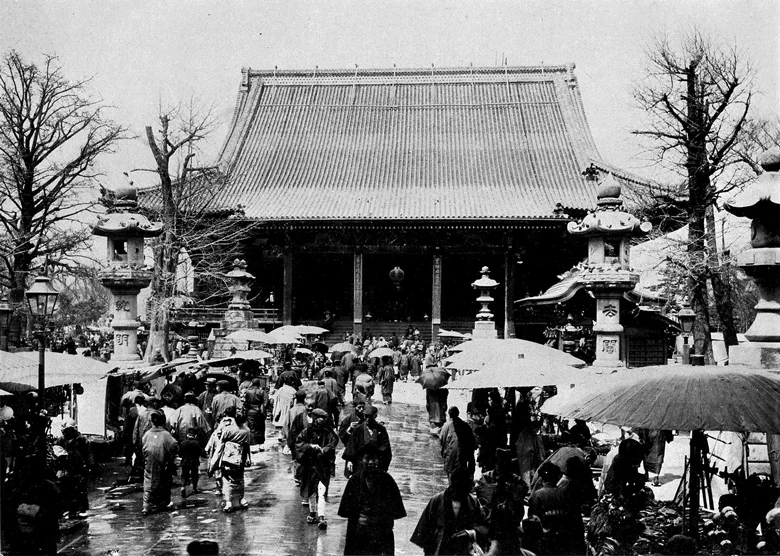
(697, 98)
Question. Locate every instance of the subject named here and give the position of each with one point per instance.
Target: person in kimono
(159, 449)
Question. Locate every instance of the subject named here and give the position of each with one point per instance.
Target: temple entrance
(403, 297)
(321, 283)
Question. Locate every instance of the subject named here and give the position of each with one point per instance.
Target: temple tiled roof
(506, 143)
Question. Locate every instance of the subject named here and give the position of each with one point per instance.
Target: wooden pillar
(288, 285)
(509, 294)
(436, 297)
(357, 293)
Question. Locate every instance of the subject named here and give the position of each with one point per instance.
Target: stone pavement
(275, 523)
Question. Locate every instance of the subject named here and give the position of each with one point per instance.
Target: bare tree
(697, 98)
(211, 235)
(51, 133)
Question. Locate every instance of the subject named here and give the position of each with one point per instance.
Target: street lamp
(686, 317)
(41, 299)
(5, 321)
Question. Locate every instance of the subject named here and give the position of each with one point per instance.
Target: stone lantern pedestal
(607, 272)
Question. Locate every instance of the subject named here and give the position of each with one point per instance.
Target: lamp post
(41, 299)
(5, 321)
(686, 316)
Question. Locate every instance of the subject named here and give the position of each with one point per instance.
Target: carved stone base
(484, 330)
(236, 320)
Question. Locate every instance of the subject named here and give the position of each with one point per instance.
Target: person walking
(299, 420)
(404, 364)
(655, 448)
(453, 521)
(206, 398)
(325, 400)
(254, 401)
(371, 503)
(283, 401)
(235, 440)
(316, 450)
(224, 399)
(142, 424)
(529, 450)
(189, 416)
(367, 431)
(81, 468)
(159, 449)
(386, 380)
(457, 444)
(190, 450)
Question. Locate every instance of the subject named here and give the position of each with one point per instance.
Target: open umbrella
(526, 375)
(696, 398)
(280, 337)
(381, 352)
(434, 378)
(320, 347)
(4, 393)
(504, 354)
(254, 354)
(342, 347)
(450, 334)
(248, 335)
(303, 351)
(287, 330)
(310, 330)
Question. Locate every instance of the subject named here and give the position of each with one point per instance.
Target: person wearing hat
(159, 448)
(81, 466)
(368, 432)
(371, 503)
(206, 397)
(224, 399)
(189, 416)
(315, 449)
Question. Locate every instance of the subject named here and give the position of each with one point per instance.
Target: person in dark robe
(530, 450)
(33, 510)
(457, 444)
(622, 477)
(371, 503)
(142, 424)
(386, 378)
(453, 520)
(224, 399)
(368, 431)
(82, 466)
(299, 420)
(578, 485)
(326, 401)
(254, 409)
(563, 529)
(289, 377)
(206, 397)
(159, 448)
(655, 448)
(316, 450)
(580, 433)
(353, 413)
(436, 404)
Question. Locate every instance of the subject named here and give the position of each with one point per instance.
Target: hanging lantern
(396, 277)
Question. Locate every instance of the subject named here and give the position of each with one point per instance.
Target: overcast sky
(141, 52)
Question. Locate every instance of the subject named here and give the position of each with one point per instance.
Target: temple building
(378, 195)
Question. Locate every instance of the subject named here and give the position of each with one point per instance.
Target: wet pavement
(275, 522)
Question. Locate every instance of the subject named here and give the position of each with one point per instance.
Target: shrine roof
(506, 143)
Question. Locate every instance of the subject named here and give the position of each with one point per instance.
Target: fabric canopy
(60, 368)
(526, 375)
(477, 355)
(683, 397)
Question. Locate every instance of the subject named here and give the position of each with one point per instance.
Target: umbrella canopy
(279, 337)
(61, 368)
(5, 393)
(16, 387)
(526, 375)
(506, 354)
(287, 330)
(303, 351)
(342, 347)
(381, 352)
(732, 398)
(451, 334)
(248, 335)
(254, 354)
(434, 378)
(309, 330)
(320, 347)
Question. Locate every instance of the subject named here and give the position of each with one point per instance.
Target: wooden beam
(357, 293)
(436, 297)
(288, 289)
(509, 294)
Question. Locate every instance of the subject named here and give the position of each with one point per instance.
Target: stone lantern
(607, 272)
(125, 274)
(760, 201)
(239, 314)
(484, 327)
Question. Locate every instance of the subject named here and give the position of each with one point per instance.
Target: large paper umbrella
(342, 347)
(381, 352)
(451, 334)
(60, 368)
(526, 375)
(434, 378)
(281, 337)
(310, 330)
(477, 355)
(684, 397)
(254, 354)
